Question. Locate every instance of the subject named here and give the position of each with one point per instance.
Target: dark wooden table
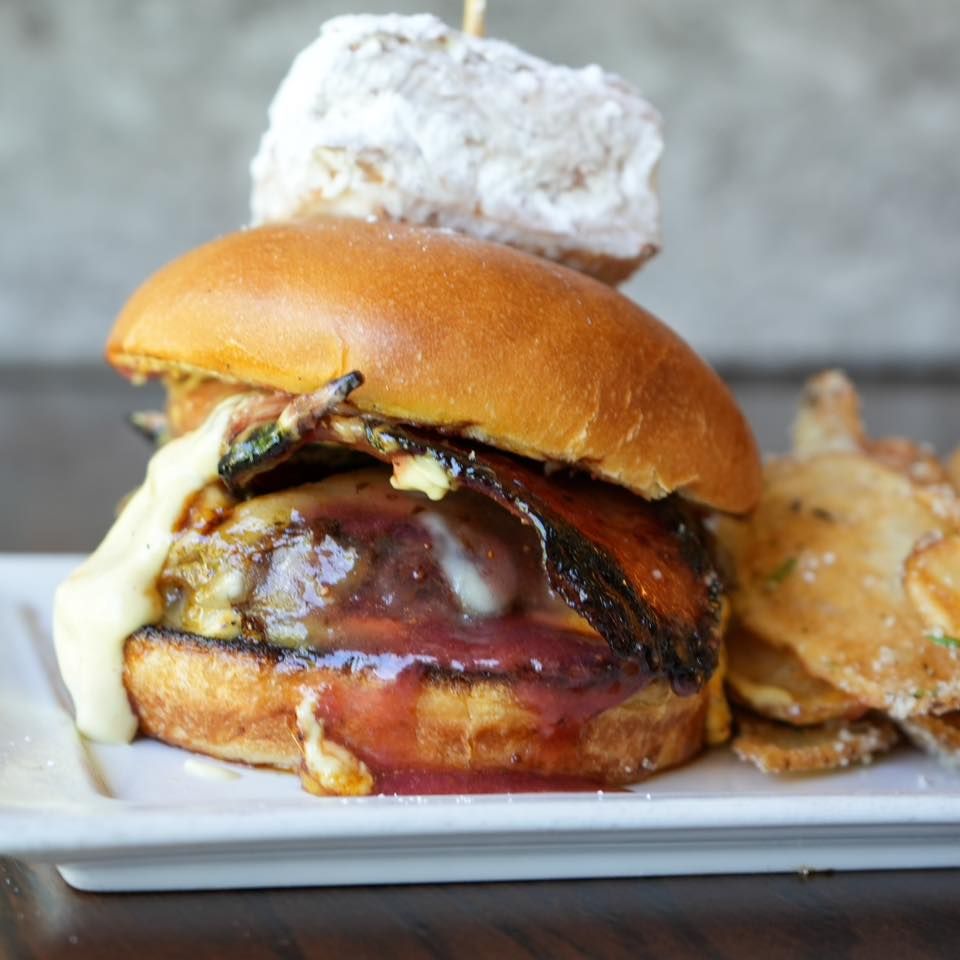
(852, 915)
(67, 459)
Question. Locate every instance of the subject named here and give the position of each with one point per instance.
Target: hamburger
(426, 513)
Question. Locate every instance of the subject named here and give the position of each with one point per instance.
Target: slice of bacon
(635, 570)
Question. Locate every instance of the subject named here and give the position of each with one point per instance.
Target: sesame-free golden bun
(455, 333)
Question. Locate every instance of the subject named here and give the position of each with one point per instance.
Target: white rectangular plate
(150, 817)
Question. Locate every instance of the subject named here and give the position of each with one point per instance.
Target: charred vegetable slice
(265, 445)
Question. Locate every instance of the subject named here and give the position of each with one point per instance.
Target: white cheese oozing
(328, 768)
(421, 473)
(113, 593)
(477, 592)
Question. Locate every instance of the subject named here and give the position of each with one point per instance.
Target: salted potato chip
(777, 748)
(773, 682)
(914, 460)
(938, 736)
(932, 582)
(829, 421)
(819, 569)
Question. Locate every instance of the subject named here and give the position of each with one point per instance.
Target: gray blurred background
(811, 195)
(811, 183)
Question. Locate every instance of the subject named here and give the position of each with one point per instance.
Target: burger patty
(350, 557)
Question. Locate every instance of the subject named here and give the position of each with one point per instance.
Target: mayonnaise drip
(113, 593)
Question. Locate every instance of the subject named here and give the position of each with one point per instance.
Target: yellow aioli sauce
(113, 592)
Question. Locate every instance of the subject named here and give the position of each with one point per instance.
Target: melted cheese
(422, 474)
(113, 592)
(475, 591)
(328, 768)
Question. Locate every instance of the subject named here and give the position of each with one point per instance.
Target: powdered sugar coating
(404, 118)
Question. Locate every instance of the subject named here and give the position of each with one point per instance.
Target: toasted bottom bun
(240, 701)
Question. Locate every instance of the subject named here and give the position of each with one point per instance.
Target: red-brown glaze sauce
(559, 678)
(406, 783)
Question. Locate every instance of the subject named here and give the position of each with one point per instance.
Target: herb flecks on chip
(782, 572)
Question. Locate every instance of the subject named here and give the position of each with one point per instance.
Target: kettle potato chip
(773, 683)
(778, 748)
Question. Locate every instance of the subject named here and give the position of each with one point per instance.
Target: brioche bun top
(450, 332)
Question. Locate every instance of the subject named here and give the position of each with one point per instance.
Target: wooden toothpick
(474, 12)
